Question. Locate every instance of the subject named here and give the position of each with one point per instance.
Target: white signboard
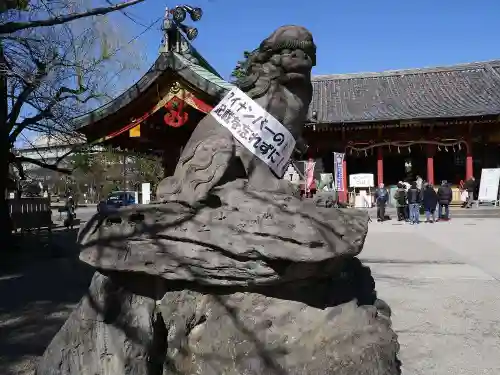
(488, 187)
(146, 193)
(362, 200)
(360, 180)
(256, 129)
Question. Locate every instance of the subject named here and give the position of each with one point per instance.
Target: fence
(30, 213)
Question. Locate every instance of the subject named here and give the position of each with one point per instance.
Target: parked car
(117, 199)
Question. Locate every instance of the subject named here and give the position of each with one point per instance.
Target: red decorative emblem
(175, 117)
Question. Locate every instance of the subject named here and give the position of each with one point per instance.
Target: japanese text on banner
(256, 129)
(338, 164)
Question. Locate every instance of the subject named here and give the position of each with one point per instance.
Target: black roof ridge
(411, 71)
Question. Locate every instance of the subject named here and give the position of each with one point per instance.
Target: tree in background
(146, 169)
(97, 174)
(56, 60)
(240, 71)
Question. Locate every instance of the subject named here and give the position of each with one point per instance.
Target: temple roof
(194, 74)
(466, 90)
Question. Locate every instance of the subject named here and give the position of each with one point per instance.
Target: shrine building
(439, 123)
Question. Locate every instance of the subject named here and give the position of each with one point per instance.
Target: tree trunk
(5, 229)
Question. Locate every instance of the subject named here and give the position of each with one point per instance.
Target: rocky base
(237, 237)
(120, 328)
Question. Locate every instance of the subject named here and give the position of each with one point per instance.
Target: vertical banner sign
(309, 174)
(338, 166)
(256, 130)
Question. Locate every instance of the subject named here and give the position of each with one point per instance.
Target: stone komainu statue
(230, 273)
(278, 79)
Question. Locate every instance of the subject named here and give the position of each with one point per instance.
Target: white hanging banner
(256, 129)
(338, 167)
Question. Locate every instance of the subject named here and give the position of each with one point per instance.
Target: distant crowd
(411, 197)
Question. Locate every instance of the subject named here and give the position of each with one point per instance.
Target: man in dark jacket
(429, 201)
(445, 195)
(414, 199)
(470, 186)
(381, 198)
(400, 198)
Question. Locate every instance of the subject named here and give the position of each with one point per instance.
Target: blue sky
(351, 36)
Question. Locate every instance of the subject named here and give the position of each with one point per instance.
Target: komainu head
(286, 58)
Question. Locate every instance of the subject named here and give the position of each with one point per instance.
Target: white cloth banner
(256, 129)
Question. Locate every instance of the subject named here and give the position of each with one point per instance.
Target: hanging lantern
(409, 149)
(399, 151)
(390, 149)
(439, 148)
(446, 148)
(459, 146)
(366, 153)
(350, 151)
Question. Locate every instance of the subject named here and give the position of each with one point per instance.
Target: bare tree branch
(29, 88)
(10, 27)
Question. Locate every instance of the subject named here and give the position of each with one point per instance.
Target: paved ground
(484, 211)
(441, 280)
(82, 213)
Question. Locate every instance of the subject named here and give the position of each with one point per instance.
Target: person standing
(463, 193)
(470, 186)
(381, 198)
(414, 199)
(445, 195)
(400, 198)
(429, 201)
(419, 182)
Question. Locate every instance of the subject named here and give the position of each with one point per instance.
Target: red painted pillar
(380, 165)
(469, 166)
(343, 196)
(430, 163)
(469, 169)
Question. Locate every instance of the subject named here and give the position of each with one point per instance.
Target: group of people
(410, 197)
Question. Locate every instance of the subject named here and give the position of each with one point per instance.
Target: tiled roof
(466, 90)
(176, 63)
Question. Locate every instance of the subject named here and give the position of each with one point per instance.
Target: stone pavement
(483, 211)
(442, 282)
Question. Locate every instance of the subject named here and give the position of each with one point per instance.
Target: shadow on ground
(41, 280)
